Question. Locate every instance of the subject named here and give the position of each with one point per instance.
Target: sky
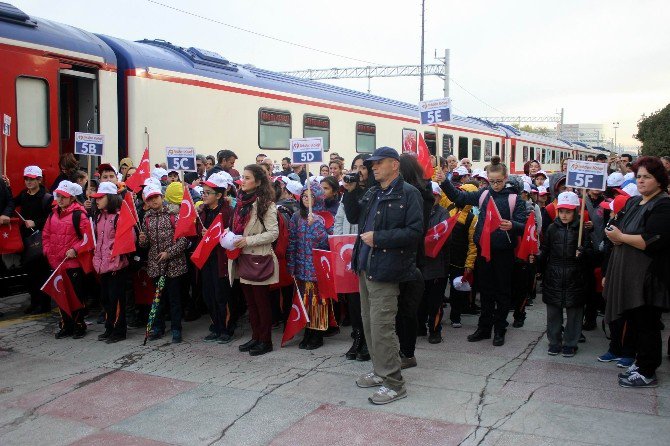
(601, 61)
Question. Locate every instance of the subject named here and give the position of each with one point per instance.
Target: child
(307, 232)
(112, 271)
(540, 178)
(166, 258)
(63, 231)
(564, 284)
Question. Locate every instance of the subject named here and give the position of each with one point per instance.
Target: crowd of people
(610, 260)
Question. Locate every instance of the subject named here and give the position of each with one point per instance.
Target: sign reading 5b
(88, 144)
(435, 111)
(306, 150)
(586, 175)
(180, 158)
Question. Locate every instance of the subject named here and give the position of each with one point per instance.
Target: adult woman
(210, 162)
(69, 166)
(324, 171)
(255, 219)
(494, 274)
(336, 168)
(636, 284)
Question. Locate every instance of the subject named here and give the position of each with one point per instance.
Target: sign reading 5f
(435, 111)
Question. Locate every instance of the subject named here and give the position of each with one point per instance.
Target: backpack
(280, 246)
(511, 201)
(76, 219)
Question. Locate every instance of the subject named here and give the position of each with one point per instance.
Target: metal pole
(423, 28)
(446, 73)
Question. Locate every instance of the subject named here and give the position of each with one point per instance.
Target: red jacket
(59, 235)
(105, 232)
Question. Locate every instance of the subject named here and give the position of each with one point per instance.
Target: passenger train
(56, 80)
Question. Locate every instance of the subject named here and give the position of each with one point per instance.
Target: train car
(55, 80)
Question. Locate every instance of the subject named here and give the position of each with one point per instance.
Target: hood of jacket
(318, 196)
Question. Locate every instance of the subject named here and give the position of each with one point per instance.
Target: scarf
(243, 211)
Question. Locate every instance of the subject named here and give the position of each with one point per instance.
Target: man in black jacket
(390, 225)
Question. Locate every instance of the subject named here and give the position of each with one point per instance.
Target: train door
(29, 96)
(512, 158)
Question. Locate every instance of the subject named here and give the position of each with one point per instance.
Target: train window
(274, 129)
(476, 150)
(462, 147)
(488, 150)
(365, 137)
(447, 145)
(498, 148)
(525, 154)
(317, 126)
(32, 111)
(429, 137)
(532, 154)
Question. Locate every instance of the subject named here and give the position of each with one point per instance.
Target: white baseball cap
(151, 190)
(32, 172)
(219, 179)
(158, 173)
(295, 187)
(106, 187)
(526, 187)
(462, 171)
(615, 179)
(630, 189)
(629, 176)
(151, 181)
(68, 189)
(542, 190)
(436, 188)
(567, 200)
(541, 172)
(318, 179)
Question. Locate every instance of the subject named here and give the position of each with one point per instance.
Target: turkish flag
(342, 247)
(10, 237)
(325, 272)
(328, 219)
(59, 287)
(208, 242)
(297, 318)
(492, 221)
(143, 288)
(124, 239)
(423, 156)
(528, 245)
(438, 235)
(85, 248)
(185, 226)
(143, 172)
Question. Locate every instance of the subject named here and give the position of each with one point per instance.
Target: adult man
(452, 164)
(200, 167)
(285, 166)
(390, 225)
(299, 169)
(260, 157)
(625, 163)
(226, 162)
(465, 162)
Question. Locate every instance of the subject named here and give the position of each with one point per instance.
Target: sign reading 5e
(88, 144)
(435, 111)
(180, 158)
(306, 150)
(586, 175)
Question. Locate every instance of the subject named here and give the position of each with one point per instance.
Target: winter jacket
(342, 225)
(332, 205)
(291, 204)
(398, 227)
(462, 248)
(436, 268)
(59, 235)
(565, 276)
(500, 240)
(207, 216)
(6, 200)
(34, 207)
(105, 232)
(217, 168)
(159, 228)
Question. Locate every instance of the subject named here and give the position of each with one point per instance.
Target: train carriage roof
(17, 25)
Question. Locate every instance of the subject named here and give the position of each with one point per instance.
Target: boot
(499, 338)
(305, 339)
(479, 335)
(315, 340)
(363, 354)
(351, 354)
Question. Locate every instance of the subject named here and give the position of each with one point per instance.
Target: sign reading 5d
(435, 111)
(180, 158)
(306, 150)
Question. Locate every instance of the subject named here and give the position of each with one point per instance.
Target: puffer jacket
(398, 227)
(436, 268)
(342, 225)
(564, 282)
(158, 226)
(105, 232)
(304, 237)
(500, 240)
(59, 235)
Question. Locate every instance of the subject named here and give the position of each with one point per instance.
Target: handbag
(32, 247)
(255, 268)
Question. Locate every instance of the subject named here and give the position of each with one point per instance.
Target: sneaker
(518, 323)
(624, 363)
(407, 363)
(78, 334)
(225, 338)
(554, 350)
(176, 336)
(629, 371)
(435, 338)
(385, 395)
(637, 380)
(369, 380)
(608, 357)
(456, 325)
(569, 352)
(212, 337)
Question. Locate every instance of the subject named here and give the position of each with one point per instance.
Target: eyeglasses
(496, 181)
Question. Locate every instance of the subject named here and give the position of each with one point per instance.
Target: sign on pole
(434, 111)
(6, 125)
(306, 150)
(181, 158)
(88, 144)
(586, 175)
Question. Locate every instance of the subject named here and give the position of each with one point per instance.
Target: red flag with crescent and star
(185, 226)
(297, 318)
(124, 238)
(342, 247)
(10, 237)
(492, 222)
(423, 157)
(325, 273)
(85, 248)
(59, 287)
(438, 235)
(143, 172)
(208, 242)
(528, 245)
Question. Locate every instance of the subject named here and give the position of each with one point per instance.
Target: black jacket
(6, 200)
(565, 276)
(398, 228)
(34, 207)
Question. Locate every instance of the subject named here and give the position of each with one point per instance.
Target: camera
(351, 178)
